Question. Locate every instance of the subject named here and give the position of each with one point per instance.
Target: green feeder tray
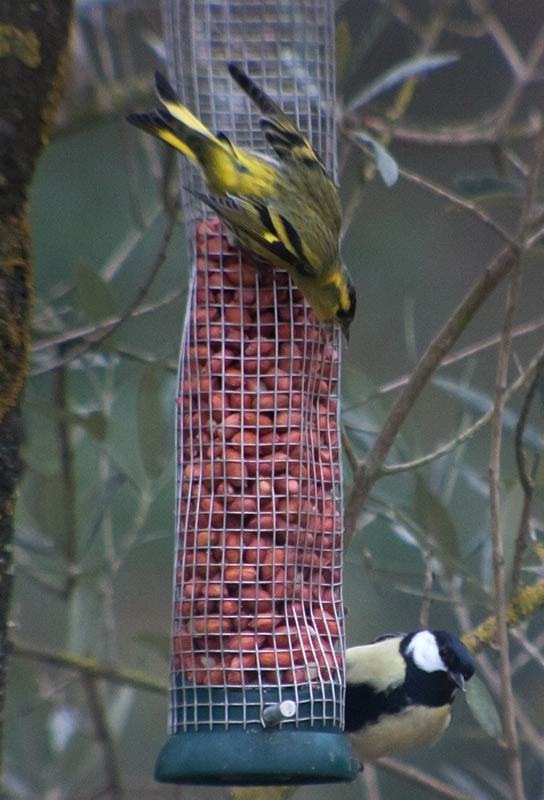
(267, 739)
(256, 757)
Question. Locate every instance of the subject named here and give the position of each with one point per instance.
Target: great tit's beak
(344, 325)
(459, 679)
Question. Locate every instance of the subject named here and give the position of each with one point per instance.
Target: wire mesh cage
(257, 669)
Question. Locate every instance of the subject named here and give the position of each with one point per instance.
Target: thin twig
(491, 126)
(89, 667)
(466, 205)
(466, 352)
(427, 588)
(347, 450)
(480, 131)
(421, 778)
(517, 613)
(531, 735)
(533, 650)
(67, 481)
(497, 542)
(535, 237)
(468, 433)
(104, 737)
(96, 341)
(105, 325)
(528, 73)
(504, 42)
(368, 470)
(527, 484)
(525, 603)
(435, 188)
(370, 778)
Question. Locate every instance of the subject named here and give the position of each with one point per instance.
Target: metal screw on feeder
(257, 668)
(278, 712)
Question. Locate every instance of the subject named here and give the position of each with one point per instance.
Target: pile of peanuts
(259, 554)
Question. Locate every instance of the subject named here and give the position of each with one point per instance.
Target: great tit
(399, 691)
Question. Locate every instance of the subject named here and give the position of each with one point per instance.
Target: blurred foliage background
(453, 92)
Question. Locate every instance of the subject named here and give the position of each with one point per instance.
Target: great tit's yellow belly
(393, 734)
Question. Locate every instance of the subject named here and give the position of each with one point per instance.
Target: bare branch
(526, 479)
(480, 131)
(368, 471)
(497, 543)
(467, 205)
(347, 450)
(421, 778)
(89, 667)
(104, 737)
(504, 42)
(427, 589)
(468, 433)
(523, 605)
(105, 326)
(370, 778)
(96, 341)
(460, 355)
(433, 187)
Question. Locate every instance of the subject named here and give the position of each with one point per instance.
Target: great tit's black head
(399, 691)
(436, 653)
(456, 657)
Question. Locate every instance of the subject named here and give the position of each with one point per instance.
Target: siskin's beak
(344, 325)
(459, 679)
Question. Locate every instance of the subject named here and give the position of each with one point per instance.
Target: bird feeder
(257, 659)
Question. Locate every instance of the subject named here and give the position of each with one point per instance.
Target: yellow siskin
(285, 210)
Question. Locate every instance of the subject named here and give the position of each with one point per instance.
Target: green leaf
(63, 723)
(482, 403)
(397, 74)
(158, 643)
(84, 616)
(511, 507)
(435, 519)
(120, 704)
(475, 186)
(483, 708)
(93, 295)
(385, 163)
(152, 431)
(95, 422)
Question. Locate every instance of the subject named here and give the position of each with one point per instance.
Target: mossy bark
(34, 38)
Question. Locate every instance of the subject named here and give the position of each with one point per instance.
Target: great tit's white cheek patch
(424, 651)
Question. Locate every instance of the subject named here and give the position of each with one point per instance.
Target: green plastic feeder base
(256, 757)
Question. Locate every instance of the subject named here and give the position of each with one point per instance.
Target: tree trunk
(33, 57)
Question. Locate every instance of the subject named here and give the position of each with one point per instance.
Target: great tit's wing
(384, 636)
(379, 665)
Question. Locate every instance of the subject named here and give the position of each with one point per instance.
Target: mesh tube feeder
(258, 640)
